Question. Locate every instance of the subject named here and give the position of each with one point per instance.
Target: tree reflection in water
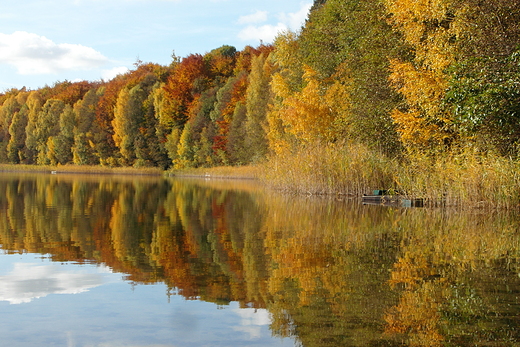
(331, 273)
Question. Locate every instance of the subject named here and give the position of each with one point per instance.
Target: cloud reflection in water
(29, 281)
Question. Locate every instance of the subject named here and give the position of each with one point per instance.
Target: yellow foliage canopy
(310, 112)
(427, 26)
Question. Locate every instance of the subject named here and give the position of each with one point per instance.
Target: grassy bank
(238, 172)
(80, 169)
(244, 172)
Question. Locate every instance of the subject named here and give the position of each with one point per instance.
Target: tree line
(398, 76)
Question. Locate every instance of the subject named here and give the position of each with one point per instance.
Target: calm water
(106, 261)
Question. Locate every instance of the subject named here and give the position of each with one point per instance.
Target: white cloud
(295, 20)
(32, 54)
(268, 32)
(110, 74)
(257, 17)
(31, 281)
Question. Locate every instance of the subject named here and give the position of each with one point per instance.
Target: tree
(130, 118)
(172, 145)
(204, 129)
(8, 110)
(84, 132)
(153, 151)
(71, 92)
(286, 80)
(185, 148)
(482, 93)
(348, 44)
(221, 61)
(454, 42)
(64, 142)
(47, 125)
(422, 80)
(15, 147)
(236, 145)
(258, 98)
(34, 104)
(205, 155)
(228, 96)
(188, 79)
(308, 117)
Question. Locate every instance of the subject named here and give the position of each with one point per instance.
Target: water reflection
(29, 281)
(321, 271)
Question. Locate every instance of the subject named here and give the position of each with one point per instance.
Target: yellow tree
(34, 104)
(286, 79)
(306, 113)
(308, 105)
(427, 27)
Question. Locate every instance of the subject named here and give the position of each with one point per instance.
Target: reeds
(348, 169)
(465, 179)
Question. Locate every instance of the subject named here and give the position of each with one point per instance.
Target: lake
(146, 261)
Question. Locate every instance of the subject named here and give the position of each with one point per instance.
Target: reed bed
(346, 169)
(466, 179)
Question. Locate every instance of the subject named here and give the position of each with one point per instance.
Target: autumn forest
(406, 83)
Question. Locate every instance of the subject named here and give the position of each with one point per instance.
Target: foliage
(485, 102)
(408, 82)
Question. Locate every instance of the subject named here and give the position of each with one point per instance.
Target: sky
(48, 41)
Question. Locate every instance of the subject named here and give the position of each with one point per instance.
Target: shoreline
(79, 169)
(250, 173)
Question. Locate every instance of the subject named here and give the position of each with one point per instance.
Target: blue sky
(44, 41)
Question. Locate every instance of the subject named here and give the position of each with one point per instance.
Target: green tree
(34, 104)
(204, 130)
(130, 118)
(8, 110)
(236, 145)
(47, 126)
(84, 130)
(231, 93)
(65, 139)
(15, 147)
(349, 46)
(153, 152)
(482, 94)
(258, 98)
(185, 148)
(205, 155)
(127, 114)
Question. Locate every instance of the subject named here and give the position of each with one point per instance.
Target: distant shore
(245, 172)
